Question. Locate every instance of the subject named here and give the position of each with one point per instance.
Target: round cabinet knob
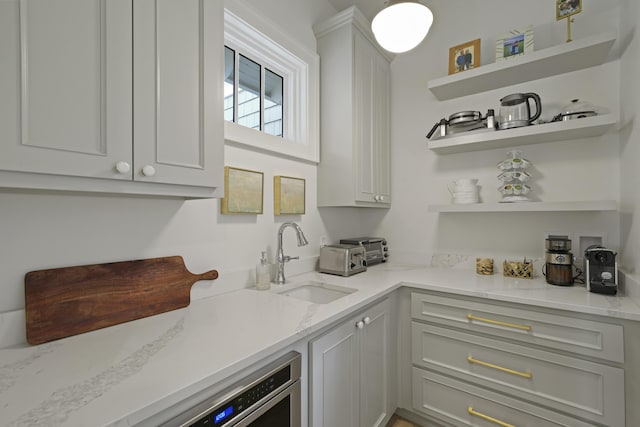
(123, 167)
(376, 198)
(148, 170)
(366, 320)
(360, 324)
(381, 198)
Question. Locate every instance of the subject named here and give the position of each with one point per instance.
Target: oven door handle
(295, 412)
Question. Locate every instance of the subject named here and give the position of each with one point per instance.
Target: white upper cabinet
(127, 92)
(66, 87)
(354, 167)
(371, 126)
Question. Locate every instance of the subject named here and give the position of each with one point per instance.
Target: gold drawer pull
(496, 322)
(488, 418)
(499, 368)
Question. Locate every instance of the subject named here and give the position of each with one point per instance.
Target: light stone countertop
(119, 376)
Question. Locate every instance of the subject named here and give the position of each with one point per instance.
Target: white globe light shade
(401, 26)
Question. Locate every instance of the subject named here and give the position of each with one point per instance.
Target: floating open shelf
(576, 55)
(598, 205)
(536, 134)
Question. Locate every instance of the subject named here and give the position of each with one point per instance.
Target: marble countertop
(119, 376)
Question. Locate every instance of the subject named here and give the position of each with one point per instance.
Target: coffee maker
(559, 261)
(602, 270)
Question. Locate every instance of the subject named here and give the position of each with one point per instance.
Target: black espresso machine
(602, 270)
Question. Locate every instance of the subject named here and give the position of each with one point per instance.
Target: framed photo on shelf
(514, 43)
(465, 56)
(566, 8)
(243, 191)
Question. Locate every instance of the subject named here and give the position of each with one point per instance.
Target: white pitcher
(464, 190)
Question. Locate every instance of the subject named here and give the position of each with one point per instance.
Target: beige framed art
(243, 191)
(288, 195)
(465, 56)
(514, 43)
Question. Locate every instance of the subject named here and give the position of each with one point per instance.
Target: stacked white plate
(464, 191)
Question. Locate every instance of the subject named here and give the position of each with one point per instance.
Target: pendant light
(401, 25)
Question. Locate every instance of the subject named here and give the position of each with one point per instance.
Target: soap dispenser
(263, 273)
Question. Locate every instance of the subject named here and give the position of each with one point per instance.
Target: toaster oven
(375, 248)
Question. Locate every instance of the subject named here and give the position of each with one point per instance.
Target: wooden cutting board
(61, 302)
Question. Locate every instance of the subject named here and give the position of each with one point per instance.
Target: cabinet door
(371, 123)
(178, 132)
(364, 142)
(374, 366)
(335, 378)
(381, 126)
(65, 80)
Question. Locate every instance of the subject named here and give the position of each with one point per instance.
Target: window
(256, 108)
(271, 99)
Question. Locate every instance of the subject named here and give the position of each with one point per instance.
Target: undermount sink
(318, 293)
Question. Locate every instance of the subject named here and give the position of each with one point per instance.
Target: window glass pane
(273, 95)
(249, 93)
(229, 82)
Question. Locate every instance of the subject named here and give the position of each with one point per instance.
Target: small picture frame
(514, 43)
(566, 8)
(243, 191)
(288, 195)
(465, 56)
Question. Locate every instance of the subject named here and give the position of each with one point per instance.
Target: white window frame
(299, 68)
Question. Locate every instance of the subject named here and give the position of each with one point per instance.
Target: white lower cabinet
(474, 365)
(350, 372)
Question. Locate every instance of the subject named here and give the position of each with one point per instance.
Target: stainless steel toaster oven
(376, 250)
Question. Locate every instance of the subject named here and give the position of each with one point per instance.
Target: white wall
(40, 230)
(629, 136)
(572, 170)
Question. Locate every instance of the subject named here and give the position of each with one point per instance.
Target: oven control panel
(229, 409)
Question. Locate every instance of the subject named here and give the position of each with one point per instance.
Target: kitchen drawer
(583, 389)
(584, 337)
(464, 404)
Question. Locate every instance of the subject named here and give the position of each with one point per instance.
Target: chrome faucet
(282, 258)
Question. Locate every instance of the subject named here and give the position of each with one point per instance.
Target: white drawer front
(463, 404)
(584, 389)
(585, 337)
